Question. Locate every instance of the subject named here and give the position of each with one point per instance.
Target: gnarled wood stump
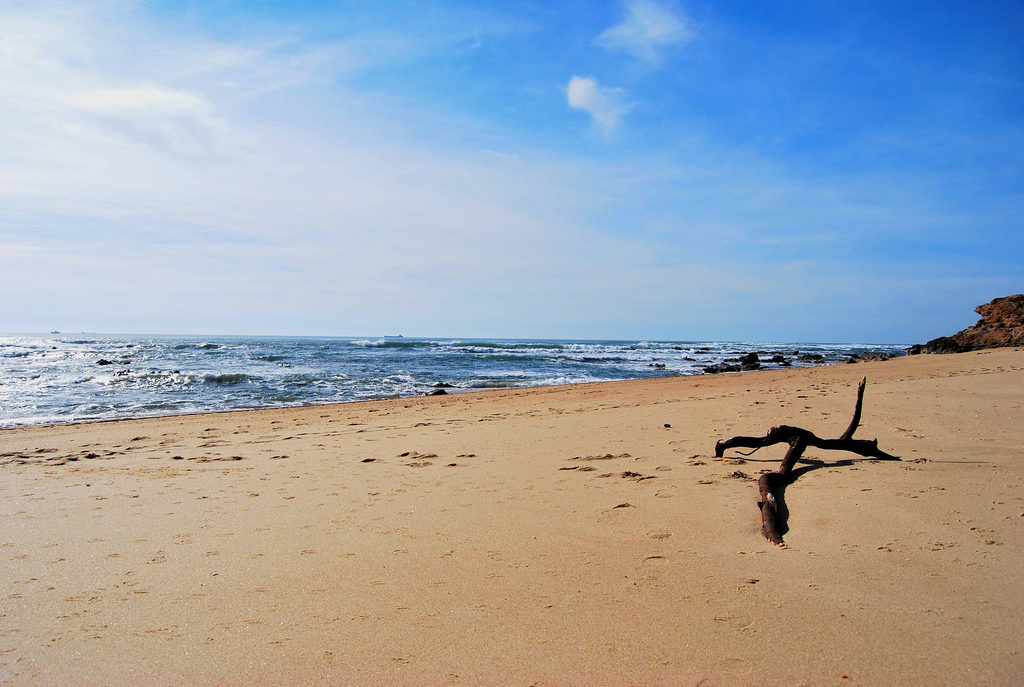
(772, 486)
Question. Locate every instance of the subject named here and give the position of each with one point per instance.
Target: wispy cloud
(171, 120)
(281, 175)
(606, 105)
(648, 29)
(357, 205)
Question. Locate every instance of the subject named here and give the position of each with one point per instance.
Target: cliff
(1001, 324)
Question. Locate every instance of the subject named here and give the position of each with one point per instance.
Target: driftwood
(772, 486)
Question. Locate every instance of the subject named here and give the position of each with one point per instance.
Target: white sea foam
(59, 377)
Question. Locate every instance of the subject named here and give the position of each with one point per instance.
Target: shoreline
(333, 404)
(568, 534)
(459, 391)
(56, 380)
(342, 404)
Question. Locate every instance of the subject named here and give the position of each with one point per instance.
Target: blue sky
(785, 171)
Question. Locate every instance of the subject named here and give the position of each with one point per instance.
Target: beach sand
(581, 535)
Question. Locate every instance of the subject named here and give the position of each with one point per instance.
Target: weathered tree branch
(855, 421)
(772, 486)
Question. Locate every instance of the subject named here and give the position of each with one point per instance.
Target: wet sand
(581, 535)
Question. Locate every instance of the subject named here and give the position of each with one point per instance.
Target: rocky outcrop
(718, 368)
(1001, 324)
(869, 356)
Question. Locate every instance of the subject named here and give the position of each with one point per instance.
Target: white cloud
(648, 28)
(342, 211)
(606, 105)
(148, 99)
(154, 180)
(172, 120)
(77, 80)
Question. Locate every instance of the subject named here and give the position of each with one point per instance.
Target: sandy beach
(581, 535)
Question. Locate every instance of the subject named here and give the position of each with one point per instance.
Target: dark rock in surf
(870, 356)
(750, 362)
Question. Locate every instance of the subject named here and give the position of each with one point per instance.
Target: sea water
(63, 378)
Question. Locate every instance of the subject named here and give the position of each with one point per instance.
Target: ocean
(66, 378)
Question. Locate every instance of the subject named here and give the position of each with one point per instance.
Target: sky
(635, 169)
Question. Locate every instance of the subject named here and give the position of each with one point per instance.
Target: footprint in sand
(417, 454)
(738, 622)
(734, 664)
(606, 456)
(652, 567)
(619, 507)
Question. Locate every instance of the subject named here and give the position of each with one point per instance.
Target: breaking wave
(54, 378)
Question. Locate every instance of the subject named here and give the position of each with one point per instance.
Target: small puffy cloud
(648, 28)
(606, 105)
